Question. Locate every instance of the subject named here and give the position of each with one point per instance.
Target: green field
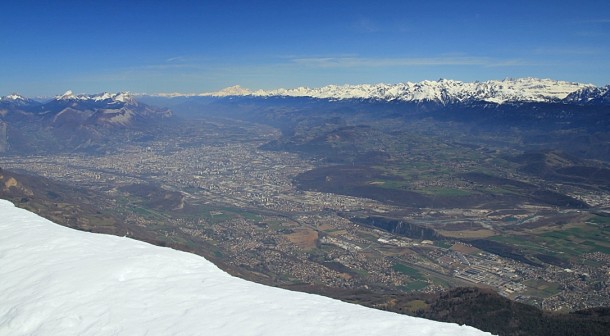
(568, 243)
(415, 285)
(404, 269)
(541, 288)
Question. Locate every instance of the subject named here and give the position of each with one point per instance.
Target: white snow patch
(59, 281)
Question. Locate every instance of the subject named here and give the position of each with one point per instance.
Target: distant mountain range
(110, 109)
(543, 113)
(93, 122)
(71, 121)
(442, 91)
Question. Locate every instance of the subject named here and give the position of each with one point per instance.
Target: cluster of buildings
(235, 173)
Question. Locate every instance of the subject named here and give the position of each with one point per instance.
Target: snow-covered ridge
(59, 281)
(442, 91)
(590, 95)
(122, 97)
(13, 97)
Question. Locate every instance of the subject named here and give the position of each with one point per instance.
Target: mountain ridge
(70, 121)
(442, 91)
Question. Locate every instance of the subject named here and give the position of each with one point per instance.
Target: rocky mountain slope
(73, 122)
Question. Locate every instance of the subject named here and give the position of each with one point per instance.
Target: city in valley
(214, 188)
(444, 160)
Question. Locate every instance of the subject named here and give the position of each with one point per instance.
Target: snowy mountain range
(59, 281)
(441, 91)
(121, 97)
(86, 122)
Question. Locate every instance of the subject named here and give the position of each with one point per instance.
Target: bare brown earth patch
(305, 238)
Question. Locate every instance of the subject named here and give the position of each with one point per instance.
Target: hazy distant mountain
(441, 91)
(16, 100)
(71, 121)
(83, 122)
(105, 109)
(590, 96)
(544, 113)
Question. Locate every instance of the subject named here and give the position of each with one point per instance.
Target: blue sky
(48, 47)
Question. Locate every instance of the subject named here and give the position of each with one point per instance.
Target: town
(247, 206)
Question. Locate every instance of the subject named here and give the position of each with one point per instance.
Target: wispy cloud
(369, 26)
(590, 33)
(366, 25)
(177, 59)
(509, 63)
(346, 62)
(594, 21)
(577, 51)
(591, 28)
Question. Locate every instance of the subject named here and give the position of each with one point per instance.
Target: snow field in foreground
(59, 281)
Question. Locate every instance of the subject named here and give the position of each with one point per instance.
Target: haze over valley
(443, 160)
(389, 203)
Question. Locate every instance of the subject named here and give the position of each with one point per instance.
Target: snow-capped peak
(442, 91)
(66, 96)
(234, 90)
(103, 96)
(123, 97)
(14, 97)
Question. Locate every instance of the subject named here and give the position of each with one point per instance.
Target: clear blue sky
(47, 47)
